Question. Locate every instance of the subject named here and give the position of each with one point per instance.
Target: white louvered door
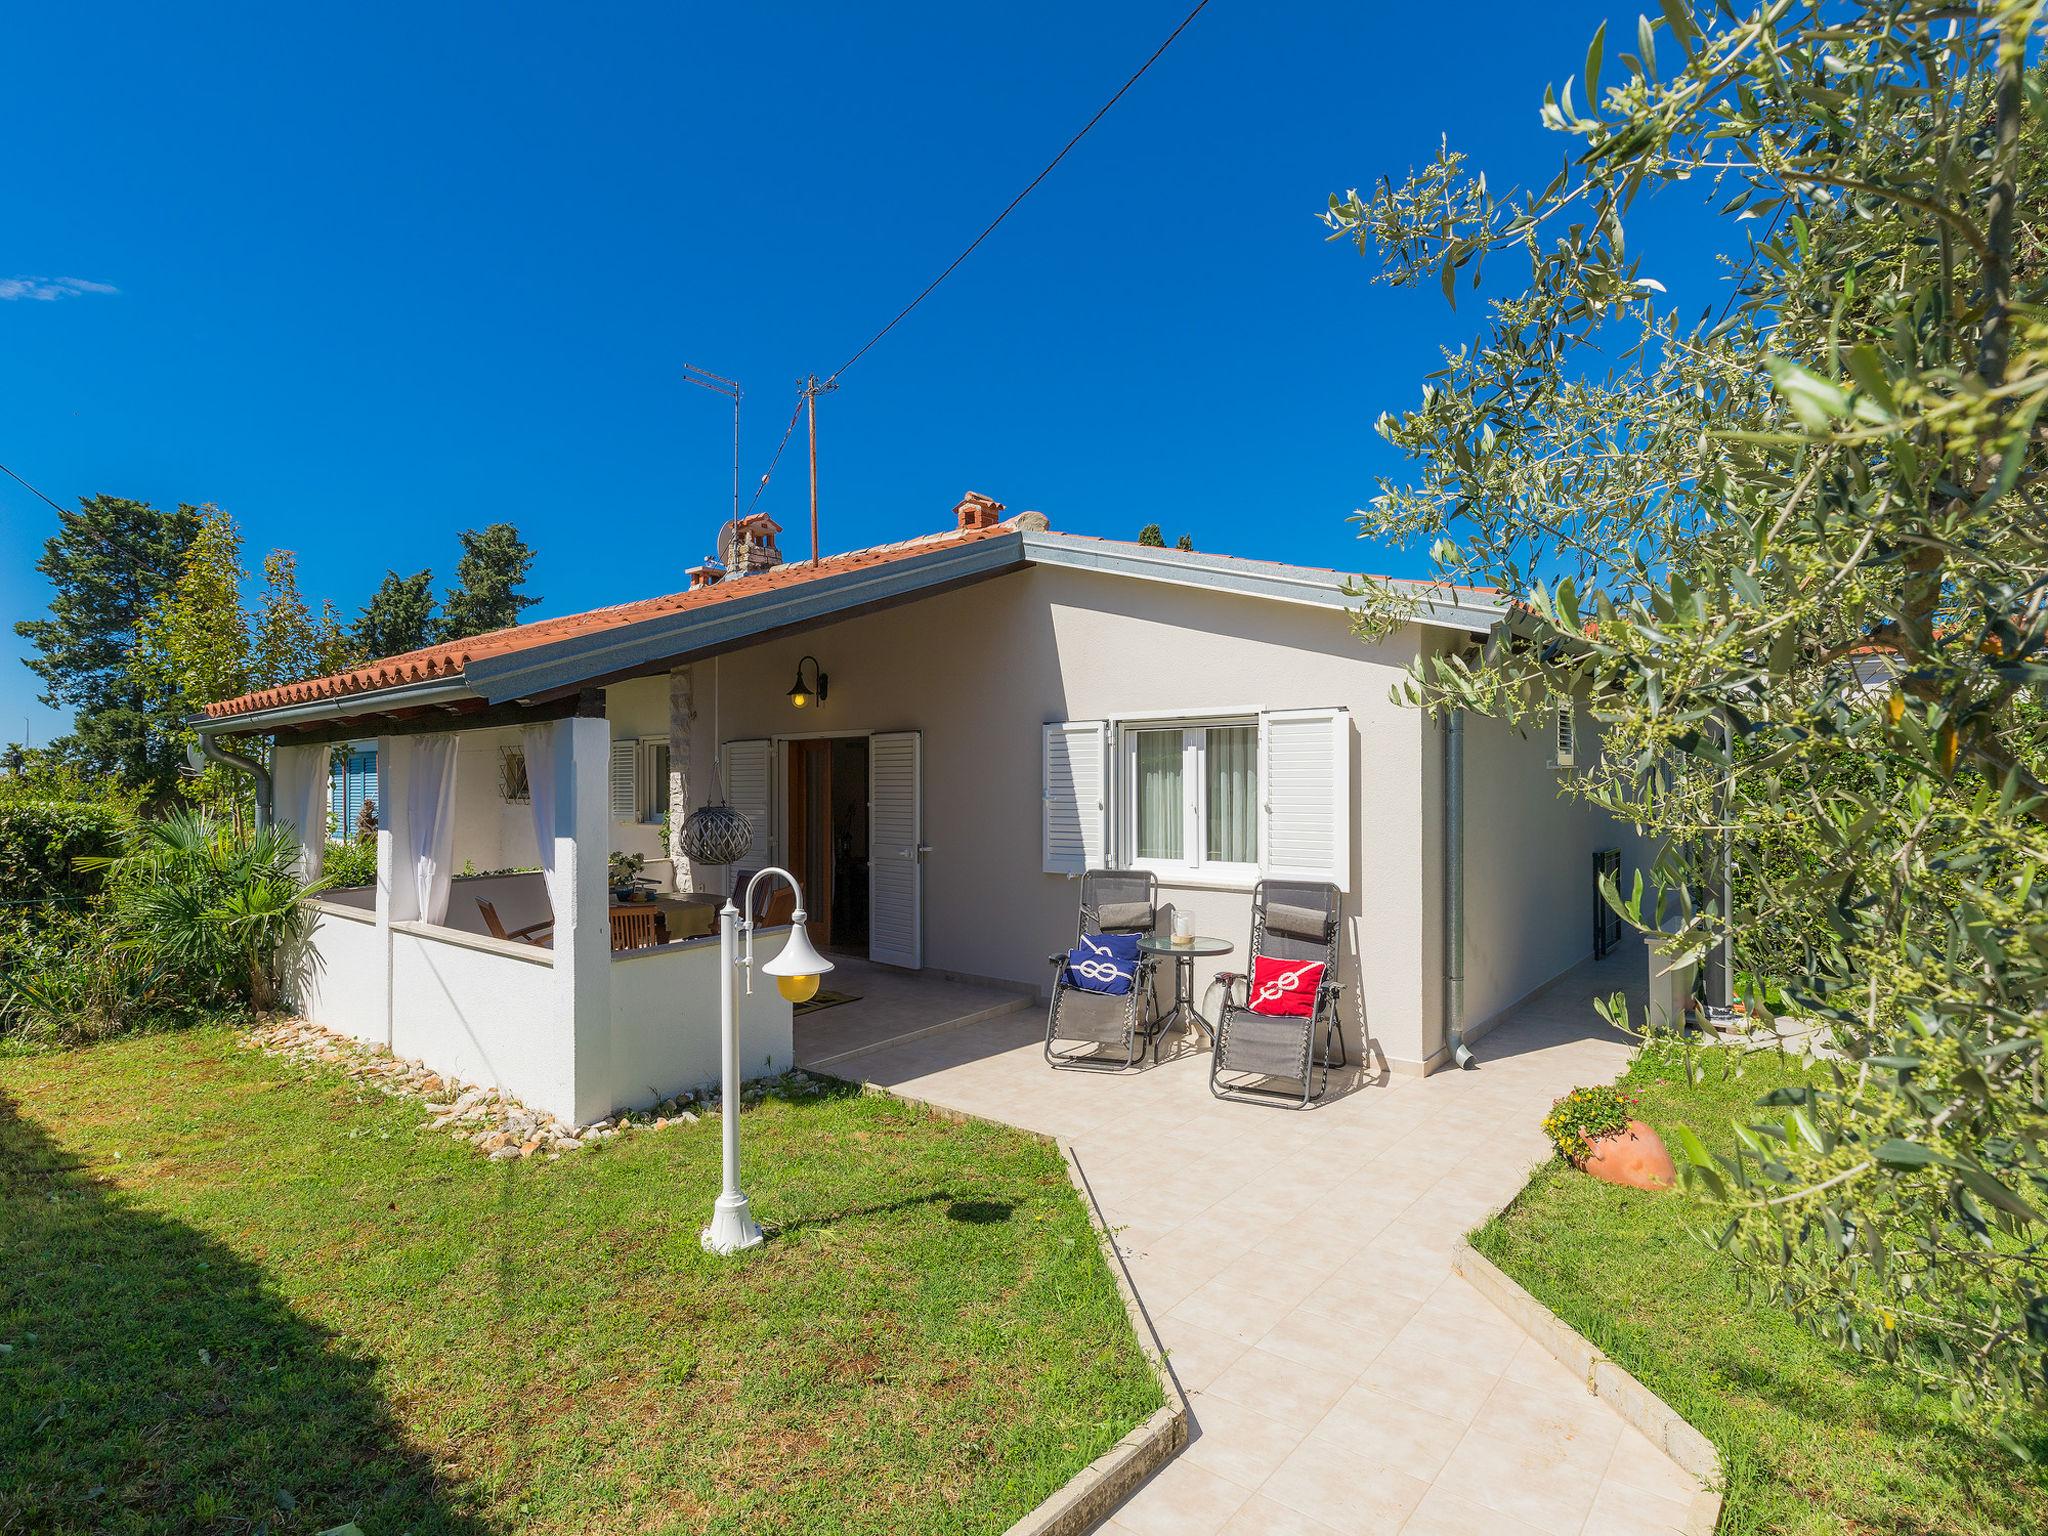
(895, 850)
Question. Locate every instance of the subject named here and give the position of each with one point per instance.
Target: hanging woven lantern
(717, 834)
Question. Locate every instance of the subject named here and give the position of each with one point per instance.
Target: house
(977, 716)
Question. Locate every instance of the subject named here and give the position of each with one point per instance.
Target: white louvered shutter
(748, 771)
(625, 783)
(1564, 734)
(1305, 794)
(895, 852)
(1075, 784)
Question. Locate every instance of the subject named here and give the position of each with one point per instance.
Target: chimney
(705, 575)
(977, 512)
(753, 545)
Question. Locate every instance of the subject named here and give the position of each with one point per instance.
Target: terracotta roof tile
(436, 663)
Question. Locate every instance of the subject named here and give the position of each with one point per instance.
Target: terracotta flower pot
(1634, 1158)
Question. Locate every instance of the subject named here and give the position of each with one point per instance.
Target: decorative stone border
(1636, 1403)
(1093, 1493)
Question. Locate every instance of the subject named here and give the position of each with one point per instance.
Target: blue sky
(384, 273)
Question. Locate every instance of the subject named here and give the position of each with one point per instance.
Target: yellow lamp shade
(797, 969)
(799, 698)
(798, 989)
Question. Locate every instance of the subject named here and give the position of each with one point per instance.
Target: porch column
(681, 712)
(391, 797)
(582, 933)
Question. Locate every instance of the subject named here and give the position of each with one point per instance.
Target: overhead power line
(10, 474)
(808, 391)
(1100, 113)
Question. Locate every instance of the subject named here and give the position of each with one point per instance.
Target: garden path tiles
(1298, 1268)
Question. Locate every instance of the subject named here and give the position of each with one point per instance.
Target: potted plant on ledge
(1595, 1129)
(624, 873)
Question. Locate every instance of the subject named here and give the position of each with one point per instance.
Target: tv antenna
(718, 384)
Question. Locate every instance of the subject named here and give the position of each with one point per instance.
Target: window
(1218, 801)
(653, 785)
(1191, 797)
(512, 783)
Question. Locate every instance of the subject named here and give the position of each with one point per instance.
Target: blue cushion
(1103, 962)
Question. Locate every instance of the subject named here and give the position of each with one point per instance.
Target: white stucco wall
(491, 832)
(978, 671)
(343, 989)
(484, 1012)
(665, 1024)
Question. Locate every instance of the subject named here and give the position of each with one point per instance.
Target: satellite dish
(727, 537)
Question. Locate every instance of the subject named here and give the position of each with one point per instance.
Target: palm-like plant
(222, 909)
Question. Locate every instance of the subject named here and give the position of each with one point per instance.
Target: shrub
(1585, 1115)
(41, 842)
(350, 864)
(220, 910)
(66, 978)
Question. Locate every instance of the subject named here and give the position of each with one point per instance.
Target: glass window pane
(656, 789)
(1161, 803)
(1233, 788)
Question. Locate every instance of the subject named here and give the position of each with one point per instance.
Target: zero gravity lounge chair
(1088, 1026)
(1290, 997)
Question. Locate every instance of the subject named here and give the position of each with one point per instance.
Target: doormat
(824, 998)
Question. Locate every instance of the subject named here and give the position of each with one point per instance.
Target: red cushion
(1285, 987)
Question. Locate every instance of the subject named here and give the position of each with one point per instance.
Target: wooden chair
(638, 925)
(522, 935)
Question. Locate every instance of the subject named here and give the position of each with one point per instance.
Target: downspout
(214, 752)
(1454, 888)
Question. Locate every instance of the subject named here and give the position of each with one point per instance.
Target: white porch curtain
(298, 778)
(422, 867)
(539, 743)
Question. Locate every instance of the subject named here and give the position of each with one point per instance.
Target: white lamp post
(796, 971)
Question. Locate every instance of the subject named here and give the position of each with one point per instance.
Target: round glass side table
(1184, 1013)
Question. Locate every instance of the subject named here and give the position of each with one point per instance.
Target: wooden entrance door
(810, 832)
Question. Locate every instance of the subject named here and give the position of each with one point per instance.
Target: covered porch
(492, 946)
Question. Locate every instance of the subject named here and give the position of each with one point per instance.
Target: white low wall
(482, 1011)
(665, 1020)
(485, 1011)
(344, 986)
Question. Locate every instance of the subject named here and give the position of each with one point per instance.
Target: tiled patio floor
(893, 1006)
(1296, 1265)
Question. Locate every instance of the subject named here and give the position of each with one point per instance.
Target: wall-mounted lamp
(799, 694)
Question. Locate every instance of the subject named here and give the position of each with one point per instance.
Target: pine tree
(1151, 537)
(110, 561)
(399, 616)
(486, 593)
(1186, 541)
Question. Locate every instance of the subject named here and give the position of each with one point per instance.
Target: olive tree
(1794, 550)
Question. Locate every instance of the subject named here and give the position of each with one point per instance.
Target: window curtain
(1161, 805)
(1233, 791)
(429, 822)
(539, 741)
(298, 777)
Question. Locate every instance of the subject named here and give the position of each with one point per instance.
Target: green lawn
(238, 1296)
(1813, 1440)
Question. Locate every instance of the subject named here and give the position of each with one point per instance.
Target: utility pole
(814, 387)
